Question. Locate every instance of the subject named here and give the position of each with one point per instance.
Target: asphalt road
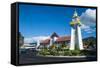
(30, 58)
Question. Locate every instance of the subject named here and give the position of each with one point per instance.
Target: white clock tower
(76, 37)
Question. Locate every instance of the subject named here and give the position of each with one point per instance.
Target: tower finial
(75, 14)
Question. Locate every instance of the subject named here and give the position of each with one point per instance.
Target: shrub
(75, 52)
(67, 53)
(88, 52)
(53, 52)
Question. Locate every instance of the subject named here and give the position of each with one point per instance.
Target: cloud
(88, 19)
(35, 39)
(88, 29)
(85, 26)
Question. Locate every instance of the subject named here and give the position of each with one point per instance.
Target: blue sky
(44, 20)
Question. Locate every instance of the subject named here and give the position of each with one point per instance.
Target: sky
(36, 22)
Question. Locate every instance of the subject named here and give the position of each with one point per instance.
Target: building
(21, 40)
(55, 40)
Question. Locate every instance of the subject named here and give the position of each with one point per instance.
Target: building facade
(55, 40)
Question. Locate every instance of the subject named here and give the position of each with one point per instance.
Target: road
(30, 58)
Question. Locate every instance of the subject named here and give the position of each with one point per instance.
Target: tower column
(80, 39)
(51, 42)
(72, 46)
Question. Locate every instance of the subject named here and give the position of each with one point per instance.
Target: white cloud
(88, 19)
(85, 26)
(35, 39)
(28, 40)
(89, 32)
(88, 29)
